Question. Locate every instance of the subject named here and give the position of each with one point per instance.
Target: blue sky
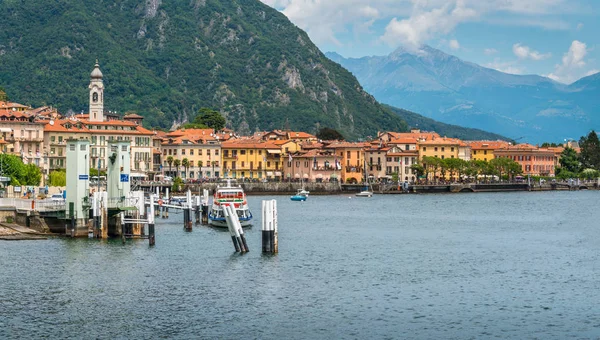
(554, 38)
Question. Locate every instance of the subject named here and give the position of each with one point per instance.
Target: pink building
(313, 166)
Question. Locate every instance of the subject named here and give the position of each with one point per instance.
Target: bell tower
(96, 95)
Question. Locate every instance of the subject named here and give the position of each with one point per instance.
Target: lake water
(453, 266)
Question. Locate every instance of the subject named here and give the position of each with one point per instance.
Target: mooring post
(275, 245)
(267, 225)
(205, 206)
(72, 215)
(151, 238)
(168, 200)
(271, 227)
(187, 212)
(263, 227)
(231, 228)
(122, 215)
(197, 209)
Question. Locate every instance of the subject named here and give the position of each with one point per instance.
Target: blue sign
(83, 177)
(124, 177)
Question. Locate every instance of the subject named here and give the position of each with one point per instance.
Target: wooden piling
(197, 209)
(269, 227)
(151, 238)
(230, 227)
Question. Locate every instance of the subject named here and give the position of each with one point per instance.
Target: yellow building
(249, 158)
(444, 148)
(197, 151)
(483, 150)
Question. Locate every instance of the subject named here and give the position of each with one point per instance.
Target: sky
(553, 38)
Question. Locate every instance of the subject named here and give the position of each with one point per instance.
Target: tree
(3, 96)
(57, 178)
(210, 118)
(186, 165)
(590, 151)
(177, 184)
(177, 163)
(590, 174)
(418, 170)
(170, 162)
(329, 134)
(194, 126)
(19, 173)
(569, 161)
(454, 165)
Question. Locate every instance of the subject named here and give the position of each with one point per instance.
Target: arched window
(95, 97)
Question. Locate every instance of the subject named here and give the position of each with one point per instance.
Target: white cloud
(573, 64)
(454, 44)
(325, 20)
(490, 51)
(525, 52)
(413, 22)
(423, 24)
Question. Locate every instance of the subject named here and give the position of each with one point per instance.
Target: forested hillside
(166, 59)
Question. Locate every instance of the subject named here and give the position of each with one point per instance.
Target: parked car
(57, 197)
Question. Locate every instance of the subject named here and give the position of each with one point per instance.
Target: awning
(305, 176)
(274, 151)
(319, 176)
(297, 175)
(137, 174)
(277, 173)
(270, 173)
(333, 176)
(5, 130)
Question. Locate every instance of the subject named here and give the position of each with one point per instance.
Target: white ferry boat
(229, 195)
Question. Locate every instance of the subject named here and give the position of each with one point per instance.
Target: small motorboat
(365, 193)
(298, 198)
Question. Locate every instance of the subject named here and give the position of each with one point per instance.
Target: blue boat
(298, 198)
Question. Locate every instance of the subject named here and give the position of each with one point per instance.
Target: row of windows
(407, 169)
(251, 167)
(436, 149)
(200, 163)
(191, 152)
(139, 141)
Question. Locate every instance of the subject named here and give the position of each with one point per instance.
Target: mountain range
(443, 87)
(167, 59)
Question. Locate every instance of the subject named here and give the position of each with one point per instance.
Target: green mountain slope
(167, 59)
(417, 121)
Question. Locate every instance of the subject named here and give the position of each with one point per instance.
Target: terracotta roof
(300, 134)
(59, 126)
(404, 140)
(342, 145)
(248, 144)
(421, 135)
(133, 116)
(311, 145)
(487, 145)
(314, 153)
(9, 105)
(524, 147)
(443, 141)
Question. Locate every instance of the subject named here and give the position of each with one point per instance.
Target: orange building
(351, 159)
(535, 161)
